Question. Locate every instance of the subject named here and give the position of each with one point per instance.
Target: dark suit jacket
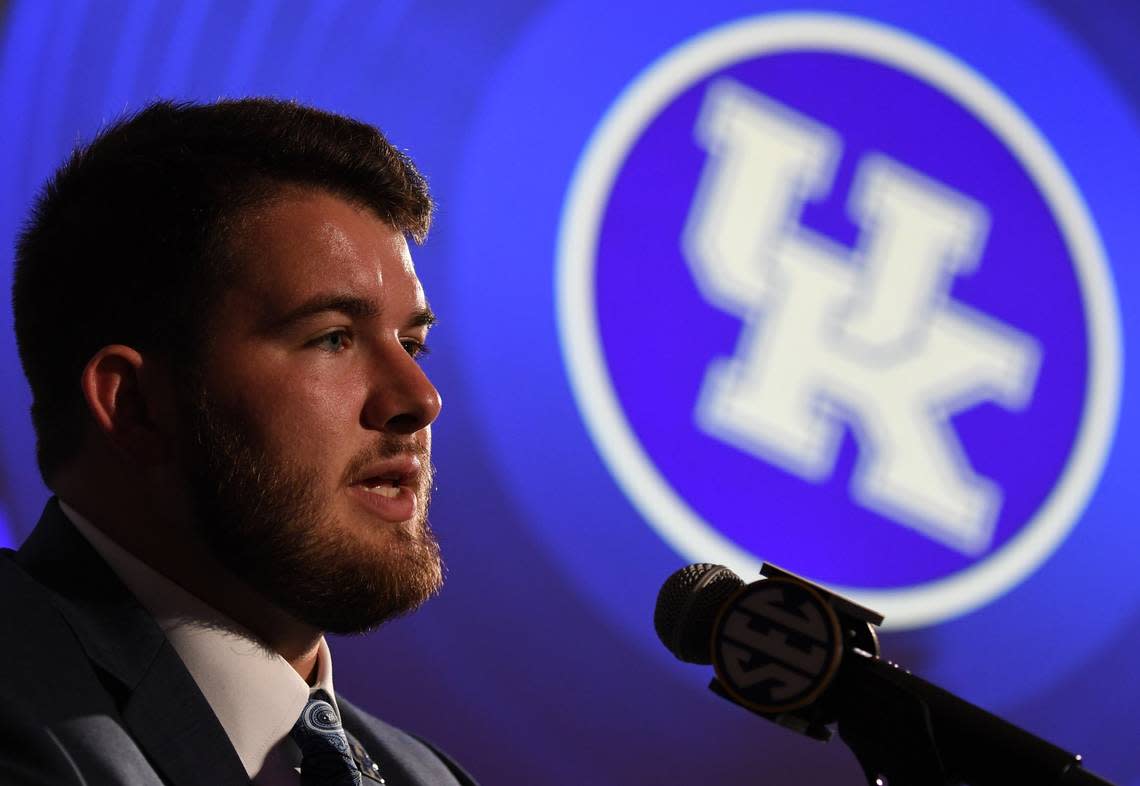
(92, 693)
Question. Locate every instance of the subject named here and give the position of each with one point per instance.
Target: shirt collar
(255, 694)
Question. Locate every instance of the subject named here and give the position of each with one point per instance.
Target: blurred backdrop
(849, 286)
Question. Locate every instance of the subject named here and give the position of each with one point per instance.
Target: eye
(332, 342)
(414, 348)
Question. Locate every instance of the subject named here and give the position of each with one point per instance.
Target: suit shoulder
(30, 625)
(43, 667)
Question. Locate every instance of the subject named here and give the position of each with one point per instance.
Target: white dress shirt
(256, 695)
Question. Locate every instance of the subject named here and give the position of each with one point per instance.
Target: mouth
(384, 487)
(388, 488)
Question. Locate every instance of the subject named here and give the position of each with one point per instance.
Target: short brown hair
(127, 242)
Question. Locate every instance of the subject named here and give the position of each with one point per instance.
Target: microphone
(806, 658)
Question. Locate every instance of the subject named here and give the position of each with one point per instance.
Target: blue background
(538, 663)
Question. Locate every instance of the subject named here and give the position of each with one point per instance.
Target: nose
(402, 400)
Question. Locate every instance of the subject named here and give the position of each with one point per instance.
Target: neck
(306, 664)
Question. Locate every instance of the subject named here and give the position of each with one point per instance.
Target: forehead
(308, 242)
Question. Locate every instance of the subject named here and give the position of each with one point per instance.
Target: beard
(268, 520)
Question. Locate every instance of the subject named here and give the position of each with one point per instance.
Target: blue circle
(661, 335)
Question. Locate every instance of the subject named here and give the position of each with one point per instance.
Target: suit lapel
(161, 705)
(402, 760)
(174, 725)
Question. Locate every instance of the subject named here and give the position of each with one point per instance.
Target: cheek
(307, 417)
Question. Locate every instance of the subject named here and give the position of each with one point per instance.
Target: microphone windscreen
(687, 606)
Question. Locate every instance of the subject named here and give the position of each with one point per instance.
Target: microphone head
(687, 606)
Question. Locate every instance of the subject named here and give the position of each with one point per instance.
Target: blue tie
(325, 756)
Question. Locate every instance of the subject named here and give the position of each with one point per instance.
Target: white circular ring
(677, 523)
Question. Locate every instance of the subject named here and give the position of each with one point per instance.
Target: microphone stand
(906, 730)
(917, 734)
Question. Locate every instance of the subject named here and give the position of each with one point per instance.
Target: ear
(128, 403)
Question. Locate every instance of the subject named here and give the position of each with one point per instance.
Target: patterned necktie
(325, 756)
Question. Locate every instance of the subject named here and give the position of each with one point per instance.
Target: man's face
(309, 451)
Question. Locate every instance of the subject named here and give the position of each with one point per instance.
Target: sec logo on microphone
(828, 298)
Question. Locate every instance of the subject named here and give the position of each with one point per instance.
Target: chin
(355, 583)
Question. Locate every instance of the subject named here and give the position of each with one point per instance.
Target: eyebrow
(350, 306)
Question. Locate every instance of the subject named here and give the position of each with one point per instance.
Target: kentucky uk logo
(869, 337)
(828, 299)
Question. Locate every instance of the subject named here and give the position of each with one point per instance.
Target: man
(220, 322)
